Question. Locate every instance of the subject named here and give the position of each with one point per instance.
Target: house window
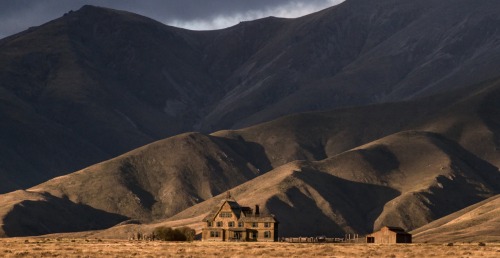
(209, 224)
(214, 234)
(240, 224)
(254, 234)
(219, 224)
(255, 224)
(267, 234)
(225, 215)
(267, 224)
(230, 224)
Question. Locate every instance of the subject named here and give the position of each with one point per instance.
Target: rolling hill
(352, 175)
(478, 223)
(42, 213)
(165, 177)
(408, 179)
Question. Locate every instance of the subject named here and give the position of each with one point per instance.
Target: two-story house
(231, 222)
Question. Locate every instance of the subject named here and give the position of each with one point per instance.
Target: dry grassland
(45, 247)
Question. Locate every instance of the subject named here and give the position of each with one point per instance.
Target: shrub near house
(178, 234)
(231, 222)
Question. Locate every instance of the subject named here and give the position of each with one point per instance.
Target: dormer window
(230, 224)
(209, 224)
(225, 214)
(219, 224)
(240, 224)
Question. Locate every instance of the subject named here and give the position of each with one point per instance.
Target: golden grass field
(65, 247)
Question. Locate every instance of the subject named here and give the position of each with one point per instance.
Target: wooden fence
(349, 238)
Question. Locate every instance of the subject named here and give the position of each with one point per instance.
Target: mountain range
(405, 128)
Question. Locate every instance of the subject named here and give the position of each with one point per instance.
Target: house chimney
(257, 211)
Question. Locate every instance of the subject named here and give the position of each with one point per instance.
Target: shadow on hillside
(489, 112)
(329, 205)
(473, 180)
(130, 179)
(250, 151)
(56, 215)
(380, 158)
(488, 173)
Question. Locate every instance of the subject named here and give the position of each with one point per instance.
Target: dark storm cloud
(18, 15)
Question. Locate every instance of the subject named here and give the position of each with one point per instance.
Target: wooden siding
(253, 226)
(388, 236)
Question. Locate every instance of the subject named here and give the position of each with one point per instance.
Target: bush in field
(188, 232)
(178, 234)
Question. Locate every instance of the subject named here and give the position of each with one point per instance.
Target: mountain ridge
(404, 101)
(99, 76)
(391, 163)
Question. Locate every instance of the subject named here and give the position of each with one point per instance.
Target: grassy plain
(64, 247)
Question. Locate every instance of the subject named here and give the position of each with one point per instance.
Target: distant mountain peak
(94, 8)
(98, 14)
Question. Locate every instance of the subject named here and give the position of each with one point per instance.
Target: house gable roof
(235, 208)
(242, 213)
(261, 218)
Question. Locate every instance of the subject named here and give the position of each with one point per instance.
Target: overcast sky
(18, 15)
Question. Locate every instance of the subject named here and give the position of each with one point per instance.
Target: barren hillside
(101, 82)
(408, 179)
(404, 179)
(479, 222)
(409, 130)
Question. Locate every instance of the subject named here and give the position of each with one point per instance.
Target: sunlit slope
(408, 179)
(477, 223)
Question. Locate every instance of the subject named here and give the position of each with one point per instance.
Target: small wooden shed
(389, 235)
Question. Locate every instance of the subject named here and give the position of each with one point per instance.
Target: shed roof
(395, 229)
